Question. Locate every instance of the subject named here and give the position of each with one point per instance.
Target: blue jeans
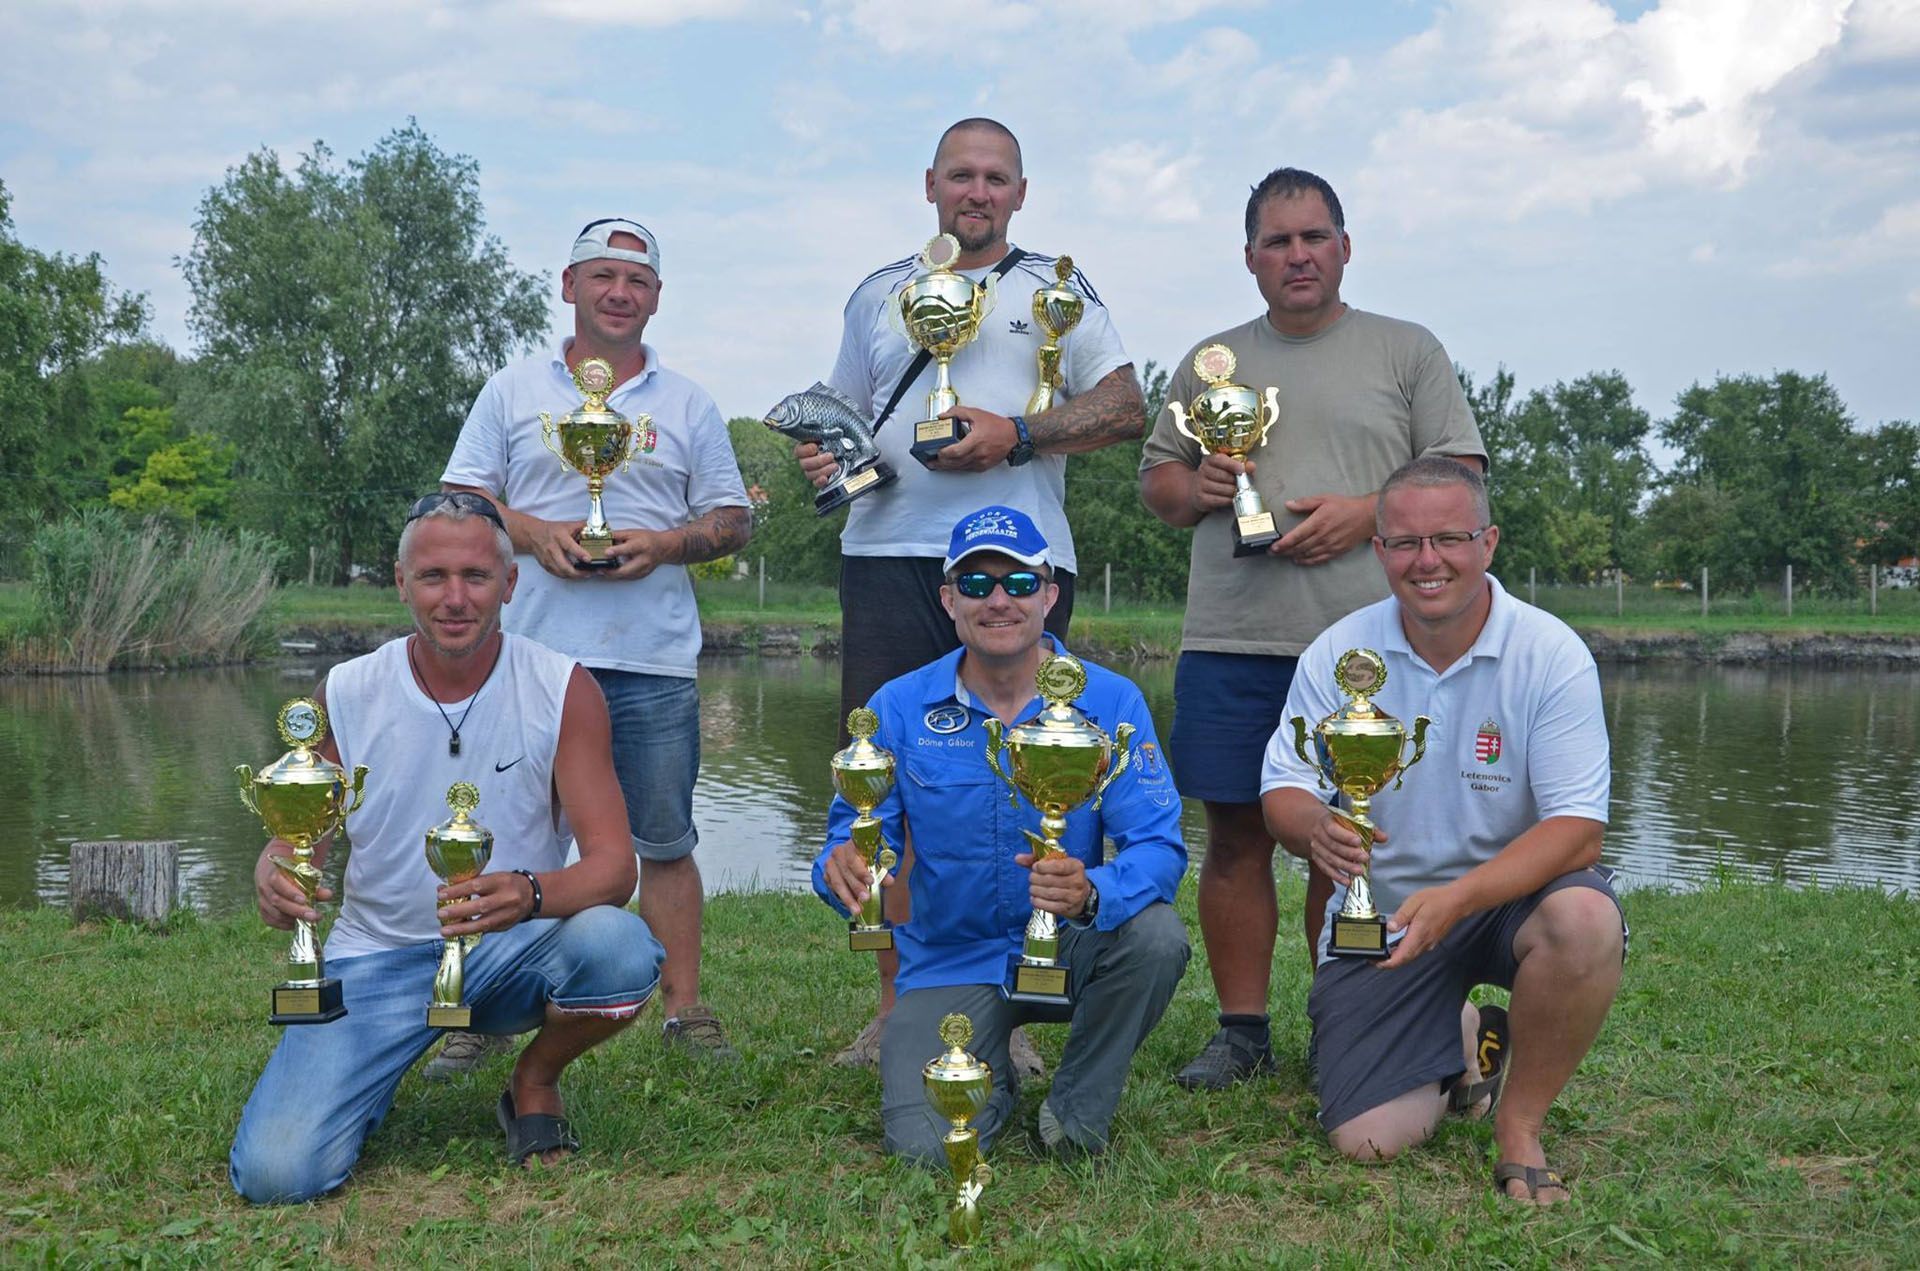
(328, 1086)
(656, 755)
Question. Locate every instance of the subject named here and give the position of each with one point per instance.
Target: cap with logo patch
(997, 528)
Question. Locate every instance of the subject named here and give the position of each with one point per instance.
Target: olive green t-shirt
(1357, 400)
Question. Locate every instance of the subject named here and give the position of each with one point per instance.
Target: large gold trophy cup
(1056, 311)
(863, 774)
(458, 850)
(958, 1086)
(1232, 419)
(595, 441)
(1359, 749)
(302, 797)
(940, 311)
(1059, 759)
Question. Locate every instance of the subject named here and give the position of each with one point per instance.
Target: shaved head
(982, 124)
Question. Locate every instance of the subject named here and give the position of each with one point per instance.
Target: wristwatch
(1022, 449)
(1092, 910)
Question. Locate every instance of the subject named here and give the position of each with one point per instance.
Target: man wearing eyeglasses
(975, 882)
(633, 624)
(457, 700)
(1359, 394)
(1487, 856)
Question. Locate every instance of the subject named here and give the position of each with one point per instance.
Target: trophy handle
(245, 773)
(896, 319)
(986, 294)
(996, 735)
(1180, 422)
(548, 431)
(640, 420)
(1300, 748)
(1122, 737)
(358, 787)
(1269, 414)
(1420, 723)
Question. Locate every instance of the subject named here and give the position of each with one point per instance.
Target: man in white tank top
(458, 700)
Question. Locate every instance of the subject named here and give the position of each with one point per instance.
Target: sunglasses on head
(978, 584)
(465, 500)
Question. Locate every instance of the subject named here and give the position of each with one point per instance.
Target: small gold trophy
(595, 442)
(863, 774)
(1232, 419)
(958, 1086)
(940, 311)
(1059, 759)
(302, 797)
(458, 850)
(1056, 311)
(1358, 749)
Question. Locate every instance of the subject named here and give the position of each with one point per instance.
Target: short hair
(449, 511)
(1434, 472)
(1290, 183)
(980, 123)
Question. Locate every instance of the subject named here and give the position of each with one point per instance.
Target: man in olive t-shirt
(1359, 395)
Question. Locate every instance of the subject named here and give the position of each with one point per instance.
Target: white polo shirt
(1518, 735)
(997, 371)
(650, 625)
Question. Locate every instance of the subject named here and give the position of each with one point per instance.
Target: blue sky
(1675, 190)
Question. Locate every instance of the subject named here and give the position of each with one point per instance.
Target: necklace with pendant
(453, 729)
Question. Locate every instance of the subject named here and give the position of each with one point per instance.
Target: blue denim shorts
(1225, 708)
(656, 755)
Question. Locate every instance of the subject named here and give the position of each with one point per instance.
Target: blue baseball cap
(1005, 530)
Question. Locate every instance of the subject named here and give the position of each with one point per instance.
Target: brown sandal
(1534, 1177)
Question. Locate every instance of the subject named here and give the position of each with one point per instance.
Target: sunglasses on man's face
(465, 500)
(978, 584)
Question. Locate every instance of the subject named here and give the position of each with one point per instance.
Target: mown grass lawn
(1754, 1100)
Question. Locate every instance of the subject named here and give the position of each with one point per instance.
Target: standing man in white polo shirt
(895, 538)
(1487, 858)
(633, 625)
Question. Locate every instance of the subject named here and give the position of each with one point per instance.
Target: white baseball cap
(593, 243)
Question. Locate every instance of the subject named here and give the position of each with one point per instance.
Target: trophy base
(881, 473)
(307, 1003)
(449, 1016)
(1042, 985)
(931, 436)
(1252, 535)
(1358, 937)
(598, 562)
(869, 939)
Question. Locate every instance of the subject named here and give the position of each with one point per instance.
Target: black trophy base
(931, 436)
(307, 1003)
(1358, 937)
(869, 478)
(598, 562)
(1253, 535)
(449, 1016)
(1040, 985)
(869, 939)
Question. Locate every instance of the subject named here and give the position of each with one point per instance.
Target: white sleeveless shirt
(380, 717)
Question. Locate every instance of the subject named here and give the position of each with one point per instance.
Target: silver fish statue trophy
(828, 418)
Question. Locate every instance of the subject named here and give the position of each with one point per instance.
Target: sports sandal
(1491, 1049)
(534, 1132)
(1533, 1176)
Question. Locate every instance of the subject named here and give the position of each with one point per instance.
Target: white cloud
(1138, 181)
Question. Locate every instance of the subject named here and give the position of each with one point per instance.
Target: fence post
(1789, 590)
(1619, 592)
(1873, 589)
(1533, 592)
(1703, 591)
(138, 882)
(763, 582)
(313, 555)
(1107, 604)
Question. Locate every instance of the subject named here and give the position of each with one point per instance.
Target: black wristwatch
(1022, 450)
(1092, 909)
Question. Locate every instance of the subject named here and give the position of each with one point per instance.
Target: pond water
(1808, 775)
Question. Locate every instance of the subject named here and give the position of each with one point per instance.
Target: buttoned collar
(942, 679)
(1490, 643)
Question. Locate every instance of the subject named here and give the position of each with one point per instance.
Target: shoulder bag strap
(923, 357)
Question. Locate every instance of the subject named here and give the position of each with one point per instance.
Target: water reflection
(1799, 774)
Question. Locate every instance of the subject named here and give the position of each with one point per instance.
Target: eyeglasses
(978, 585)
(465, 500)
(1445, 540)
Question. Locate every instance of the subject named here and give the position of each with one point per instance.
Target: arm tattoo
(716, 534)
(1110, 411)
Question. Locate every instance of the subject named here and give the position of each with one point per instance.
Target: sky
(1673, 190)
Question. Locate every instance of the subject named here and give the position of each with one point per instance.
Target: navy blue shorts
(1225, 708)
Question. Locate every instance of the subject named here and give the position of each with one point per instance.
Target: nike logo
(502, 767)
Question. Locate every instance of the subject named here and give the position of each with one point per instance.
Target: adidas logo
(1018, 326)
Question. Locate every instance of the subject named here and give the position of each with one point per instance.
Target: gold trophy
(940, 311)
(1231, 419)
(958, 1086)
(863, 774)
(1059, 759)
(458, 850)
(1358, 749)
(1056, 311)
(595, 442)
(302, 797)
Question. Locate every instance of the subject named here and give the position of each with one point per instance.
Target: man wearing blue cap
(975, 883)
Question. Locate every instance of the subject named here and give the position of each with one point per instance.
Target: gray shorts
(1378, 1034)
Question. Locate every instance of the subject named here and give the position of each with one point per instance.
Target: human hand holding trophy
(1359, 749)
(596, 441)
(1231, 419)
(940, 311)
(301, 798)
(827, 418)
(863, 774)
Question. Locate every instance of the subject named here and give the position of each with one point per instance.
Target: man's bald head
(980, 123)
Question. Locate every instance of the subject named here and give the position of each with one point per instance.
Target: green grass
(1753, 1100)
(1645, 609)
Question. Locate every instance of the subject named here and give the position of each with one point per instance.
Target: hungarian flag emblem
(1486, 743)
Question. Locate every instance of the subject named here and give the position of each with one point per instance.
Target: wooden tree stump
(130, 881)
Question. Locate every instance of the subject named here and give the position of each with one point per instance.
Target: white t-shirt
(650, 625)
(997, 371)
(508, 739)
(1518, 735)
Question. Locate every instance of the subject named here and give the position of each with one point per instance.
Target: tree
(1893, 462)
(798, 545)
(346, 318)
(1110, 525)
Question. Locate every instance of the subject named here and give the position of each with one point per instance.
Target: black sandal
(534, 1132)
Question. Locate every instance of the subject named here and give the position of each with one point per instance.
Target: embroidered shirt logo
(947, 719)
(645, 435)
(997, 524)
(1486, 743)
(1150, 765)
(1018, 326)
(502, 767)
